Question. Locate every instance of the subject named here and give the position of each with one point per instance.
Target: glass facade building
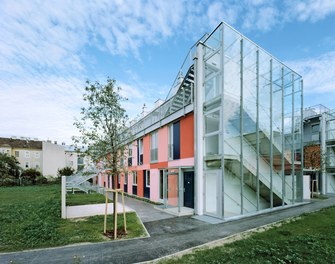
(248, 127)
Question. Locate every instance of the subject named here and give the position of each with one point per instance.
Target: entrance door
(189, 189)
(212, 193)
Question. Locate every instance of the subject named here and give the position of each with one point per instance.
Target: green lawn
(81, 198)
(307, 239)
(30, 218)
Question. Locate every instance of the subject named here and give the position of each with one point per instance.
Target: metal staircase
(183, 95)
(80, 181)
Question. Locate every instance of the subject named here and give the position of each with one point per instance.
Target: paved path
(168, 236)
(145, 211)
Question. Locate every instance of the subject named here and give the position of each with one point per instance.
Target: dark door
(146, 183)
(189, 189)
(135, 189)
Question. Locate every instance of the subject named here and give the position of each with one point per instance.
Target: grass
(81, 198)
(30, 218)
(307, 239)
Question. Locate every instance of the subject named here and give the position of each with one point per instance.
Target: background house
(319, 142)
(45, 156)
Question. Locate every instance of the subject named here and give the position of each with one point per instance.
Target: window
(121, 162)
(37, 165)
(170, 146)
(147, 178)
(134, 177)
(315, 128)
(315, 132)
(174, 141)
(130, 155)
(27, 154)
(37, 155)
(27, 164)
(119, 179)
(17, 154)
(140, 151)
(126, 178)
(212, 132)
(161, 183)
(154, 147)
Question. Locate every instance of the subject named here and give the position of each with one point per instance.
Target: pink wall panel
(163, 144)
(146, 149)
(154, 185)
(134, 153)
(181, 162)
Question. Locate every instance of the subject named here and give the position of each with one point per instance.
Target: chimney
(144, 110)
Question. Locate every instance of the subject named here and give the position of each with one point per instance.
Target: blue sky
(49, 48)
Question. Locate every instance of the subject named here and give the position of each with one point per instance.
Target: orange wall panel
(187, 137)
(159, 165)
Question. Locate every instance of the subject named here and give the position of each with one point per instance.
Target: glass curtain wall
(252, 118)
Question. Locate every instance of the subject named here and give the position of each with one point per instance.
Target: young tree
(102, 126)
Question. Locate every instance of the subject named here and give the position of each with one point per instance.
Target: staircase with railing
(80, 181)
(250, 163)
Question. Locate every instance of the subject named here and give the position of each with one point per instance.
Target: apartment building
(227, 141)
(27, 152)
(45, 156)
(319, 142)
(75, 159)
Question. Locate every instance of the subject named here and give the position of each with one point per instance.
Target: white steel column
(323, 152)
(198, 127)
(64, 197)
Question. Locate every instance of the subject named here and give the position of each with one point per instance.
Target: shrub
(8, 181)
(66, 171)
(41, 180)
(31, 175)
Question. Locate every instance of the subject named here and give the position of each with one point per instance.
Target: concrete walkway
(168, 236)
(145, 211)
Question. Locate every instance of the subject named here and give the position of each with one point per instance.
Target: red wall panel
(140, 183)
(187, 137)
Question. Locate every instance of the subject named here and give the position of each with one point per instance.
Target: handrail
(264, 178)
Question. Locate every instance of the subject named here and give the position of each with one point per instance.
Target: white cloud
(309, 10)
(44, 49)
(45, 110)
(317, 73)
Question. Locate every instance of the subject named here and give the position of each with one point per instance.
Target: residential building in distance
(319, 142)
(28, 152)
(75, 159)
(45, 156)
(227, 141)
